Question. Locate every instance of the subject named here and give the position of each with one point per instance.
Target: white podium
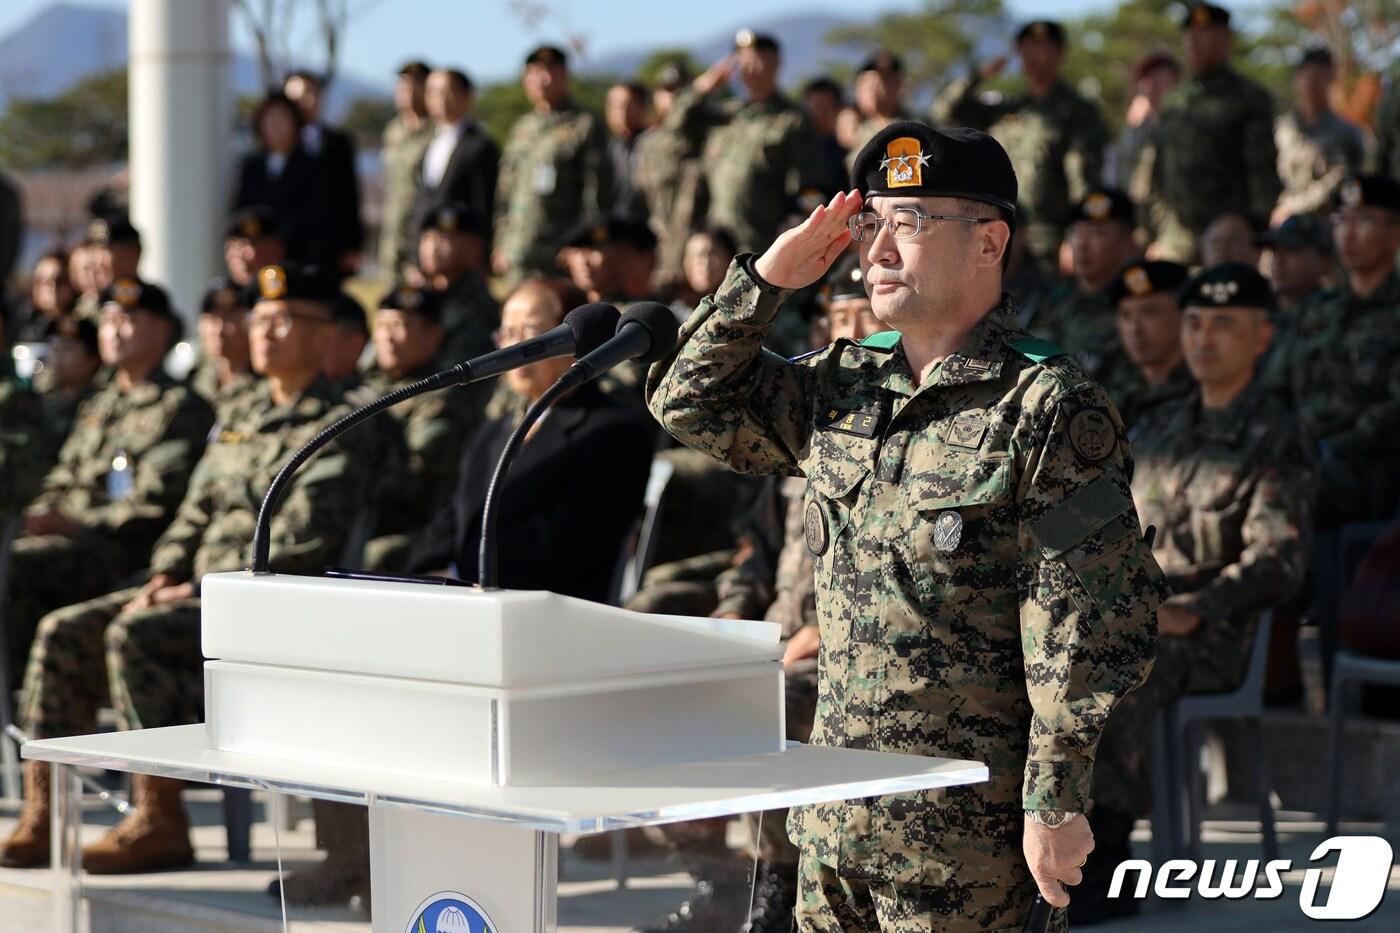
(477, 726)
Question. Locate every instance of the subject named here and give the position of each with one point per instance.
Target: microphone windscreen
(593, 325)
(660, 322)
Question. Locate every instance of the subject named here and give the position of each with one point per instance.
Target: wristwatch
(1051, 819)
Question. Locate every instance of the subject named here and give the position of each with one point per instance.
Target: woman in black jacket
(574, 490)
(281, 176)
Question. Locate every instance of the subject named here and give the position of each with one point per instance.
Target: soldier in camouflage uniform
(120, 474)
(983, 588)
(1056, 138)
(1316, 148)
(1078, 316)
(25, 447)
(756, 152)
(408, 336)
(879, 97)
(406, 137)
(1344, 364)
(451, 240)
(141, 645)
(1213, 148)
(554, 170)
(74, 370)
(1226, 476)
(1148, 321)
(669, 178)
(223, 377)
(1301, 263)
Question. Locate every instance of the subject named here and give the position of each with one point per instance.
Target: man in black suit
(461, 162)
(575, 488)
(333, 153)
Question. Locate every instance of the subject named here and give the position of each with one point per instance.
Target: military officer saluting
(983, 587)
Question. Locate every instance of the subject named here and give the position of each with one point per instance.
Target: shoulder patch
(884, 340)
(1036, 350)
(1091, 434)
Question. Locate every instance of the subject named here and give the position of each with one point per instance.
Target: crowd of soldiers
(1228, 275)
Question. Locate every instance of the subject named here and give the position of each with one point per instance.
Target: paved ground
(216, 897)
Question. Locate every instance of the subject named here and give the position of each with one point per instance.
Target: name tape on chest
(859, 423)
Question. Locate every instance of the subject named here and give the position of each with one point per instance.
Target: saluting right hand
(802, 255)
(714, 76)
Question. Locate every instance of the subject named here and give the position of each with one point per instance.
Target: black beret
(80, 329)
(345, 309)
(1228, 285)
(414, 69)
(1369, 191)
(1139, 279)
(1205, 14)
(133, 293)
(547, 55)
(249, 223)
(104, 231)
(222, 293)
(1300, 231)
(600, 231)
(1042, 29)
(422, 301)
(454, 217)
(884, 62)
(844, 280)
(748, 39)
(908, 159)
(1104, 204)
(295, 282)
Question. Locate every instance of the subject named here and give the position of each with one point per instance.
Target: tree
(930, 41)
(276, 31)
(84, 126)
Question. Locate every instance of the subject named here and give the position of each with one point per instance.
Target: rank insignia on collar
(859, 423)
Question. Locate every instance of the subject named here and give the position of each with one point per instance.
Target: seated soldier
(72, 366)
(1078, 315)
(252, 241)
(1148, 319)
(343, 346)
(25, 443)
(223, 376)
(451, 256)
(120, 474)
(610, 258)
(1226, 476)
(1230, 237)
(141, 646)
(1301, 263)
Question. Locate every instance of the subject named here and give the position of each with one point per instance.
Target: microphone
(646, 332)
(584, 330)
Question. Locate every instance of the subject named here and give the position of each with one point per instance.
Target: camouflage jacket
(983, 588)
(1230, 493)
(213, 529)
(757, 157)
(1314, 160)
(204, 380)
(554, 170)
(1344, 371)
(1213, 151)
(25, 451)
(159, 427)
(1056, 144)
(1136, 399)
(669, 177)
(788, 594)
(1082, 324)
(402, 151)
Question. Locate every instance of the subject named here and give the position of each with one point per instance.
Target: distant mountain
(67, 42)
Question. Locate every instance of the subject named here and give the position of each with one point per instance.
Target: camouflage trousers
(829, 903)
(148, 663)
(49, 571)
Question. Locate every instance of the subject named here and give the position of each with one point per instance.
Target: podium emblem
(450, 912)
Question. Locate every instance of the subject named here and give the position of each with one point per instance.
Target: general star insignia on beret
(1098, 205)
(272, 282)
(904, 163)
(1220, 292)
(126, 292)
(1137, 280)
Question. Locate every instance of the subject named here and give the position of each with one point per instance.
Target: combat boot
(343, 878)
(774, 900)
(28, 845)
(155, 837)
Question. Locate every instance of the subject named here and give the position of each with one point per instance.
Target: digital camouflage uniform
(402, 151)
(1387, 125)
(226, 399)
(1213, 152)
(152, 657)
(1344, 377)
(756, 156)
(160, 427)
(1136, 399)
(24, 445)
(1230, 493)
(669, 176)
(554, 170)
(1314, 160)
(470, 316)
(60, 412)
(1082, 324)
(434, 426)
(983, 589)
(1056, 144)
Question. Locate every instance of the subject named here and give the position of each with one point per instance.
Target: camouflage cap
(1046, 29)
(422, 301)
(1140, 279)
(601, 231)
(1369, 191)
(1228, 285)
(250, 223)
(909, 159)
(1104, 204)
(1300, 231)
(760, 41)
(547, 55)
(107, 230)
(844, 280)
(454, 217)
(1205, 14)
(294, 282)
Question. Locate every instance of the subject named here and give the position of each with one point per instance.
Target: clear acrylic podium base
(437, 844)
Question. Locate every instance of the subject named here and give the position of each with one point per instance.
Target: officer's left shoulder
(1049, 378)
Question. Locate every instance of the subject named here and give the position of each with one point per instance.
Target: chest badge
(859, 423)
(818, 536)
(947, 531)
(966, 432)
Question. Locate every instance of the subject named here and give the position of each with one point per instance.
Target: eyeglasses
(279, 323)
(904, 223)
